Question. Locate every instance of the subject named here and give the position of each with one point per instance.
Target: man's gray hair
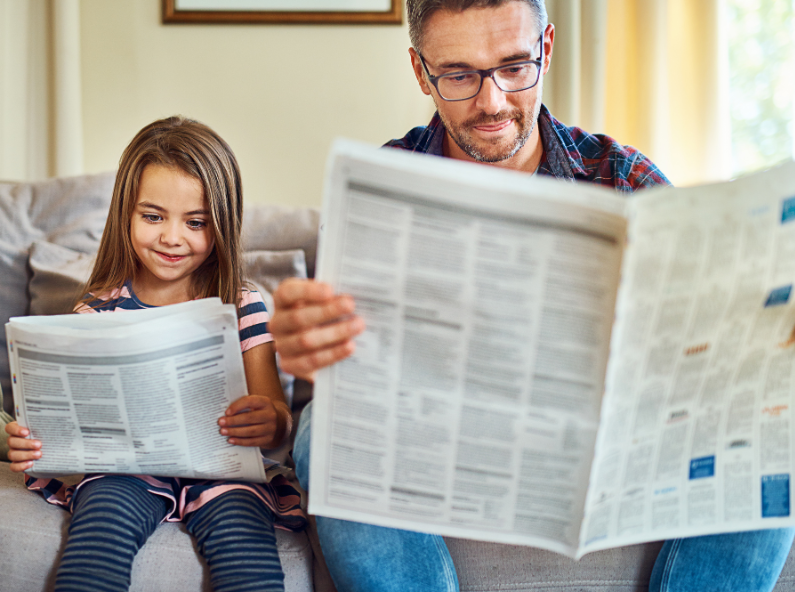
(419, 11)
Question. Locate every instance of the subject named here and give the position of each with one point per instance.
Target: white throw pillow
(58, 277)
(267, 269)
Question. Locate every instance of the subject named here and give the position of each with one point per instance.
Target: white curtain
(575, 88)
(40, 99)
(651, 73)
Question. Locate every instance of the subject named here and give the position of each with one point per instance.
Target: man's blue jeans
(366, 558)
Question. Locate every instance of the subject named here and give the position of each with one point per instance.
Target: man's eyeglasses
(460, 86)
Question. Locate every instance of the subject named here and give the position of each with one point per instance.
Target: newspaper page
(134, 392)
(471, 404)
(697, 427)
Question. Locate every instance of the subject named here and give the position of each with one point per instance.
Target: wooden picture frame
(388, 12)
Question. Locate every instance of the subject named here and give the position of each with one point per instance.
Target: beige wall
(278, 94)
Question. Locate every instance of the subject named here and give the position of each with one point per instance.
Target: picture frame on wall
(283, 11)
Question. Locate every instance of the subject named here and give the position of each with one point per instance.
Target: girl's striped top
(252, 316)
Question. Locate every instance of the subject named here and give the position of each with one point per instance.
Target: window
(761, 39)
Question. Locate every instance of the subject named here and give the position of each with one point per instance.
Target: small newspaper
(133, 392)
(551, 364)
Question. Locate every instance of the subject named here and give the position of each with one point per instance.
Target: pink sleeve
(253, 320)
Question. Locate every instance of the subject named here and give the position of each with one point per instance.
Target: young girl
(172, 235)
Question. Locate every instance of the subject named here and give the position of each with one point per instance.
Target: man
(483, 62)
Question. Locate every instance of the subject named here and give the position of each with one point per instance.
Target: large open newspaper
(549, 364)
(135, 392)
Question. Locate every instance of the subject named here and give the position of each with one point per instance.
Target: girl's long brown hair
(196, 150)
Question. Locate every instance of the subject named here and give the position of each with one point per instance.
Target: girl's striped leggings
(113, 517)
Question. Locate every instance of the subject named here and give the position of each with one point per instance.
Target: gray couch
(48, 232)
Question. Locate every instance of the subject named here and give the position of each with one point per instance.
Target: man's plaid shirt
(570, 153)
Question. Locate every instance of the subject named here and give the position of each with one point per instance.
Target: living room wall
(278, 94)
(80, 77)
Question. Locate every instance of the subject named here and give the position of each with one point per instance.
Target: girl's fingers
(252, 421)
(16, 443)
(250, 402)
(20, 467)
(262, 416)
(14, 429)
(262, 442)
(265, 431)
(22, 451)
(23, 456)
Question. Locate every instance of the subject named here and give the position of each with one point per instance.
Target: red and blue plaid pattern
(570, 153)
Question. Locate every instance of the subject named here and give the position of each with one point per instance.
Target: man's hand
(312, 327)
(22, 452)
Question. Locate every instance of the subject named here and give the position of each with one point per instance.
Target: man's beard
(462, 137)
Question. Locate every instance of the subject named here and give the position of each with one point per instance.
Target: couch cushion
(58, 275)
(281, 228)
(492, 567)
(267, 269)
(32, 534)
(69, 212)
(489, 567)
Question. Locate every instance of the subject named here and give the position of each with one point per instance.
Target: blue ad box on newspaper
(775, 496)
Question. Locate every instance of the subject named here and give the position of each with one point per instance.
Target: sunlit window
(761, 39)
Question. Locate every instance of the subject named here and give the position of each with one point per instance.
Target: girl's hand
(255, 420)
(22, 452)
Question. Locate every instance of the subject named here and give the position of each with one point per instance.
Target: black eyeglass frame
(434, 80)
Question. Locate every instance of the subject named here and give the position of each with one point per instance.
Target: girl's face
(170, 233)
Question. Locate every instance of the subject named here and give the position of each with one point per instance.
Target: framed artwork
(283, 11)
